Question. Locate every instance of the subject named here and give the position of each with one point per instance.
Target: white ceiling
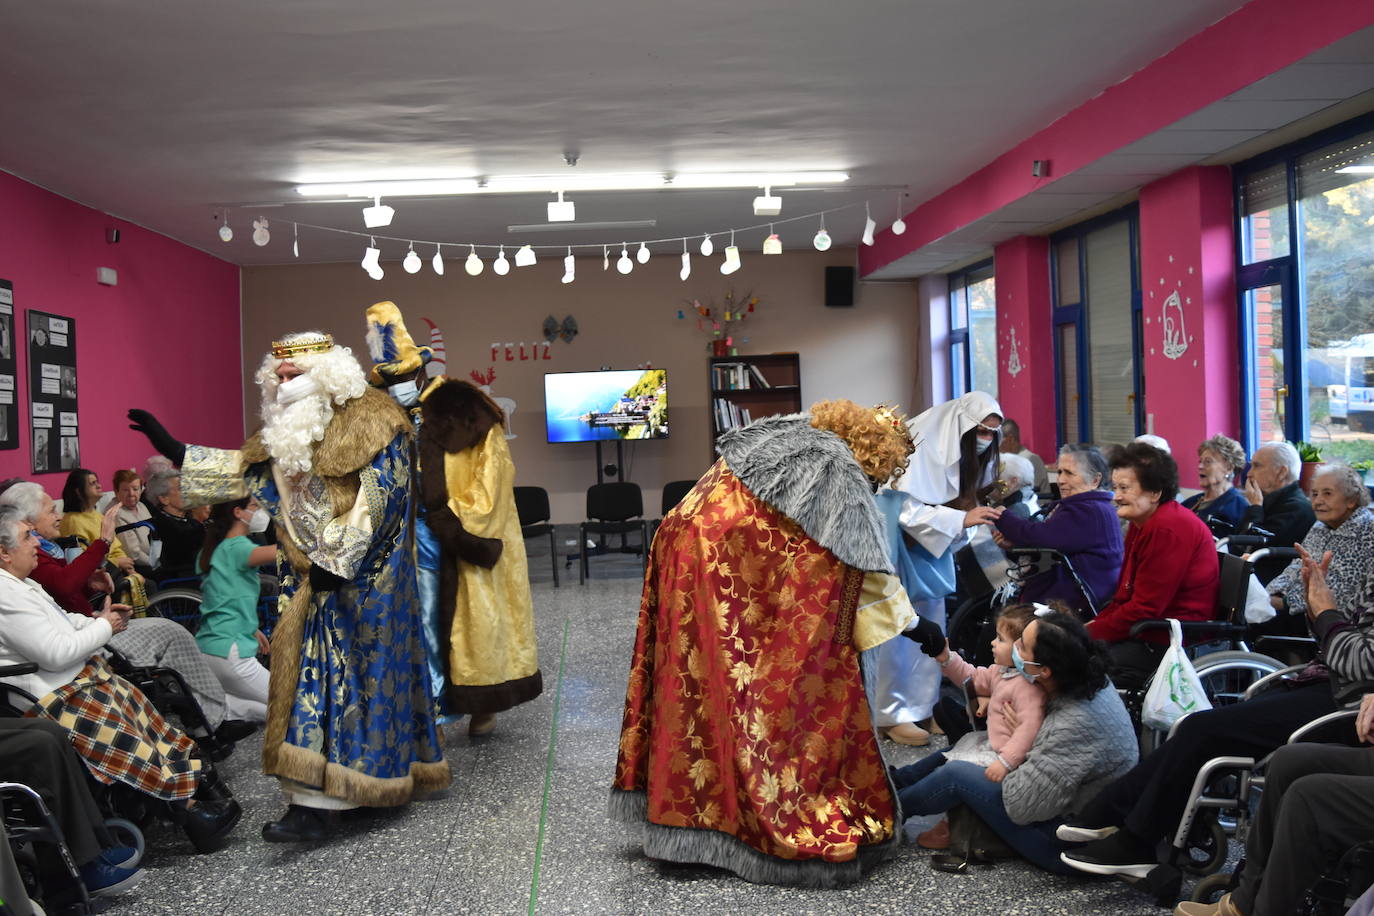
(159, 113)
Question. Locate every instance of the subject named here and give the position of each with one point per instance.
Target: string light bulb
(225, 233)
(412, 261)
(501, 265)
(869, 226)
(642, 255)
(473, 265)
(707, 247)
(624, 264)
(438, 262)
(822, 240)
(569, 266)
(686, 262)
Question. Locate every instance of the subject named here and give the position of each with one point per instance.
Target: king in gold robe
(747, 741)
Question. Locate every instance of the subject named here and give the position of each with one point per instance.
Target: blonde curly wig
(877, 436)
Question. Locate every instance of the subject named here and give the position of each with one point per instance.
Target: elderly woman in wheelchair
(111, 724)
(1123, 824)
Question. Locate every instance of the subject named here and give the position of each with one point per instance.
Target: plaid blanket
(119, 734)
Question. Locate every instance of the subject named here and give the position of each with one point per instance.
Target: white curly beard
(290, 432)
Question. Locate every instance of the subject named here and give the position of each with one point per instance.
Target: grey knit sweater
(1082, 745)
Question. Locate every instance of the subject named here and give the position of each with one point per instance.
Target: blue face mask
(1020, 664)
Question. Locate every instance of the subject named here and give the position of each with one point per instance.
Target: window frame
(960, 340)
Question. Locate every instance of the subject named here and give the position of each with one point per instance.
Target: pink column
(1025, 342)
(1187, 277)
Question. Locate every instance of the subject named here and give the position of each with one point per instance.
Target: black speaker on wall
(839, 287)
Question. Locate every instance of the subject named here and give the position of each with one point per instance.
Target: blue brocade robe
(349, 713)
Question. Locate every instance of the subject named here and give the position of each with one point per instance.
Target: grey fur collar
(810, 476)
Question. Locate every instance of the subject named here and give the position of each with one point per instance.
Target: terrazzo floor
(523, 828)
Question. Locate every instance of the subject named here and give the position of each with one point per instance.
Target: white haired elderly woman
(148, 641)
(1018, 478)
(1345, 529)
(182, 534)
(118, 733)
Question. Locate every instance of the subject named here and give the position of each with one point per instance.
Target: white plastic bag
(1258, 607)
(1175, 690)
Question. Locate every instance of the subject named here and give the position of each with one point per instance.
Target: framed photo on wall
(9, 362)
(53, 392)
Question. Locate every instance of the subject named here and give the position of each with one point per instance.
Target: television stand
(614, 472)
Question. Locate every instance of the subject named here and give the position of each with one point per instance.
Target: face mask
(1020, 664)
(982, 445)
(407, 394)
(302, 386)
(259, 522)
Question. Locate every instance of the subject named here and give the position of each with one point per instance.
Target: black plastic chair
(613, 508)
(673, 493)
(532, 505)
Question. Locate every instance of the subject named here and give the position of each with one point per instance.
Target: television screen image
(608, 405)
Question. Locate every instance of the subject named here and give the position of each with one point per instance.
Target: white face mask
(259, 522)
(982, 445)
(302, 386)
(407, 394)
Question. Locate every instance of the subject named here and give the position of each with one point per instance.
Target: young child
(229, 637)
(1001, 748)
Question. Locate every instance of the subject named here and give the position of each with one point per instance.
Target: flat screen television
(607, 405)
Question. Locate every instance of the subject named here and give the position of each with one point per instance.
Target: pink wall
(1024, 307)
(1187, 273)
(1211, 65)
(166, 338)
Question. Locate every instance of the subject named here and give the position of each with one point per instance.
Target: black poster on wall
(52, 392)
(9, 361)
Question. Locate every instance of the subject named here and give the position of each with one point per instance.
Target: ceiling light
(569, 266)
(438, 262)
(412, 261)
(1356, 170)
(562, 211)
(525, 257)
(473, 264)
(869, 226)
(377, 215)
(501, 265)
(707, 247)
(552, 184)
(642, 255)
(522, 228)
(767, 205)
(624, 265)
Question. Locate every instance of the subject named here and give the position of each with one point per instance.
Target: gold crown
(283, 350)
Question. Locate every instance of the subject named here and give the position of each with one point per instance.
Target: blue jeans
(961, 783)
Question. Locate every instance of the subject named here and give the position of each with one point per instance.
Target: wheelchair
(1220, 805)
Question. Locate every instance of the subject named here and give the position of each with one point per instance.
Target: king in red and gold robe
(747, 740)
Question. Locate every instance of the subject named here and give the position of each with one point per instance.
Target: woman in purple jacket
(1083, 526)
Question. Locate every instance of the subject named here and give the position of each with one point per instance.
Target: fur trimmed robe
(348, 712)
(486, 615)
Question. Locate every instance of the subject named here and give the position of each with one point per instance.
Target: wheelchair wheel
(179, 604)
(1227, 675)
(126, 833)
(1207, 848)
(1211, 888)
(966, 627)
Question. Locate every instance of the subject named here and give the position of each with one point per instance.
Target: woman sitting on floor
(111, 724)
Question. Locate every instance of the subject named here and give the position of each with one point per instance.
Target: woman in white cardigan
(111, 724)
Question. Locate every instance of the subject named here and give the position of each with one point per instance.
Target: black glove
(157, 434)
(928, 635)
(322, 580)
(449, 531)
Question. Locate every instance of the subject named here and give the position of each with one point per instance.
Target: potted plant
(1366, 468)
(1311, 457)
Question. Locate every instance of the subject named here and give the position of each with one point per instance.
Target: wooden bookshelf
(746, 388)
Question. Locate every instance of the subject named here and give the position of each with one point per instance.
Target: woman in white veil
(956, 455)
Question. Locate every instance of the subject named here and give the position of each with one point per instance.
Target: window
(1097, 329)
(1306, 290)
(973, 330)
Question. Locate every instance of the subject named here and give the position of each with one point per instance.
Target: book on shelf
(730, 415)
(737, 377)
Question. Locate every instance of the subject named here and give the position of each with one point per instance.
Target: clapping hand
(1319, 596)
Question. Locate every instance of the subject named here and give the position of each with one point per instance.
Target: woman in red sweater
(1170, 569)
